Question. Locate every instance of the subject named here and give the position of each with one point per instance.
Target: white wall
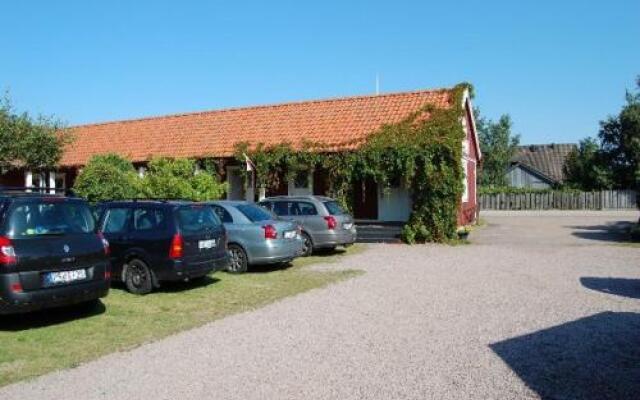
(394, 204)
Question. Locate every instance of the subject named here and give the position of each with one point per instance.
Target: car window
(197, 218)
(149, 219)
(333, 208)
(254, 213)
(266, 204)
(117, 220)
(53, 217)
(223, 214)
(281, 208)
(304, 208)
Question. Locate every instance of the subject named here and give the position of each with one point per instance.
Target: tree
(34, 143)
(107, 177)
(586, 168)
(498, 146)
(620, 139)
(179, 179)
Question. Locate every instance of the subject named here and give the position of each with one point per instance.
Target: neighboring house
(341, 124)
(539, 166)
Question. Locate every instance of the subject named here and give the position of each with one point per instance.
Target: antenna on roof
(377, 84)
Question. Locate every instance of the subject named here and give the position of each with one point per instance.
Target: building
(539, 166)
(341, 124)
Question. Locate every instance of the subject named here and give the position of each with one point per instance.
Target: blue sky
(558, 67)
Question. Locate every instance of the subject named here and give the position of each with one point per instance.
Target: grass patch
(37, 343)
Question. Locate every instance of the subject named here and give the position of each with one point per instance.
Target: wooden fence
(606, 199)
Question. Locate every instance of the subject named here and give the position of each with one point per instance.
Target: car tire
(138, 278)
(238, 262)
(307, 245)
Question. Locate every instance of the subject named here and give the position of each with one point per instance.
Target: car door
(227, 221)
(115, 228)
(306, 214)
(149, 235)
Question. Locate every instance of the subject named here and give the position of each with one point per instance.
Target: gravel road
(537, 307)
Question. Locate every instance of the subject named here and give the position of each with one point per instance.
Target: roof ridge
(272, 105)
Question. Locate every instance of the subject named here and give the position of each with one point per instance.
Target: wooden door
(365, 204)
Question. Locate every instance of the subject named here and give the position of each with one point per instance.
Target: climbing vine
(424, 154)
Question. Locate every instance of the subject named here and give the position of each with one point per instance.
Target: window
(117, 220)
(465, 182)
(301, 180)
(197, 218)
(223, 214)
(266, 204)
(304, 208)
(281, 208)
(333, 208)
(254, 213)
(50, 218)
(147, 219)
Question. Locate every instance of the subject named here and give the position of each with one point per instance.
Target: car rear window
(57, 217)
(254, 213)
(333, 208)
(196, 218)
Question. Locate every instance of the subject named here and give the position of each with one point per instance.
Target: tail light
(105, 244)
(270, 232)
(176, 249)
(331, 222)
(16, 287)
(107, 274)
(7, 252)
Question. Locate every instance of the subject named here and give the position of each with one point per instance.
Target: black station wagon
(50, 252)
(153, 241)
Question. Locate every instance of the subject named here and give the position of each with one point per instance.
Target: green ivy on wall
(424, 154)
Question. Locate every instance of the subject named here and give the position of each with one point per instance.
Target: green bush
(107, 177)
(178, 179)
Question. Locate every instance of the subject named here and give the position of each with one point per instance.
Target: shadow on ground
(49, 317)
(618, 286)
(613, 232)
(596, 357)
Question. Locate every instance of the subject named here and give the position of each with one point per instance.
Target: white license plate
(207, 244)
(55, 278)
(347, 226)
(290, 234)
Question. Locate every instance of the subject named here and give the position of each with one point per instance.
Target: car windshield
(49, 217)
(254, 213)
(333, 208)
(197, 218)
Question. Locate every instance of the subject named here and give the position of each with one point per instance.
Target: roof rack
(35, 190)
(159, 199)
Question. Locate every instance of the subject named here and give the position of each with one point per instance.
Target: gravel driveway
(538, 307)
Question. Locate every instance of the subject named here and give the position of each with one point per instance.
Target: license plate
(347, 226)
(290, 234)
(56, 278)
(207, 244)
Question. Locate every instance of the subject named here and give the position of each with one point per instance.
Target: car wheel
(307, 245)
(238, 263)
(138, 278)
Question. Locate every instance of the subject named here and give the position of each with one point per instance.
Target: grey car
(324, 224)
(256, 236)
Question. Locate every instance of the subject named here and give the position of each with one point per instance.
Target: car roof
(228, 202)
(301, 197)
(146, 202)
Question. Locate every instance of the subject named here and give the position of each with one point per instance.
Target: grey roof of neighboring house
(546, 159)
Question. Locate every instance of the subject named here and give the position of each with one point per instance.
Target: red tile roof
(342, 123)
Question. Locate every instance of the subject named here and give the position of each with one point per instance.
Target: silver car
(324, 224)
(256, 236)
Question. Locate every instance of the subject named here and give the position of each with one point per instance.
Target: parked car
(155, 241)
(50, 252)
(324, 224)
(256, 236)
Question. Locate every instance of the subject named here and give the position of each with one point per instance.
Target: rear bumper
(32, 300)
(275, 251)
(182, 269)
(335, 238)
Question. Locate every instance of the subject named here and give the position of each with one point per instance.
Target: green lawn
(34, 344)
